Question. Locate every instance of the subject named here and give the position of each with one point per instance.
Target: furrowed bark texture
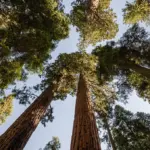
(17, 135)
(85, 132)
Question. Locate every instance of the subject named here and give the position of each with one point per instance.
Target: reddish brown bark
(85, 132)
(17, 135)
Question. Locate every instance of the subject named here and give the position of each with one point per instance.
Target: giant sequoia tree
(18, 134)
(60, 79)
(29, 31)
(94, 20)
(128, 61)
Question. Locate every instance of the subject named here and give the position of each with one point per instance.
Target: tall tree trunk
(85, 133)
(110, 136)
(17, 135)
(137, 68)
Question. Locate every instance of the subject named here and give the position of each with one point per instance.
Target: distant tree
(131, 131)
(6, 107)
(53, 145)
(104, 117)
(128, 62)
(137, 11)
(125, 130)
(94, 20)
(29, 32)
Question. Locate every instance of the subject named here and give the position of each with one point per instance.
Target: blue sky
(64, 110)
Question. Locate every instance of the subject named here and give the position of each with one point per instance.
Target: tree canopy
(128, 62)
(131, 131)
(29, 33)
(54, 144)
(68, 67)
(6, 106)
(94, 20)
(125, 130)
(137, 11)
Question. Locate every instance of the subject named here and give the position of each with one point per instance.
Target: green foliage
(104, 97)
(124, 130)
(135, 45)
(64, 73)
(68, 67)
(106, 67)
(24, 94)
(9, 72)
(128, 62)
(30, 32)
(104, 4)
(140, 84)
(131, 131)
(48, 116)
(93, 25)
(6, 107)
(53, 145)
(138, 11)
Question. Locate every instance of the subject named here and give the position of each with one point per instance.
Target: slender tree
(112, 141)
(104, 123)
(104, 117)
(124, 130)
